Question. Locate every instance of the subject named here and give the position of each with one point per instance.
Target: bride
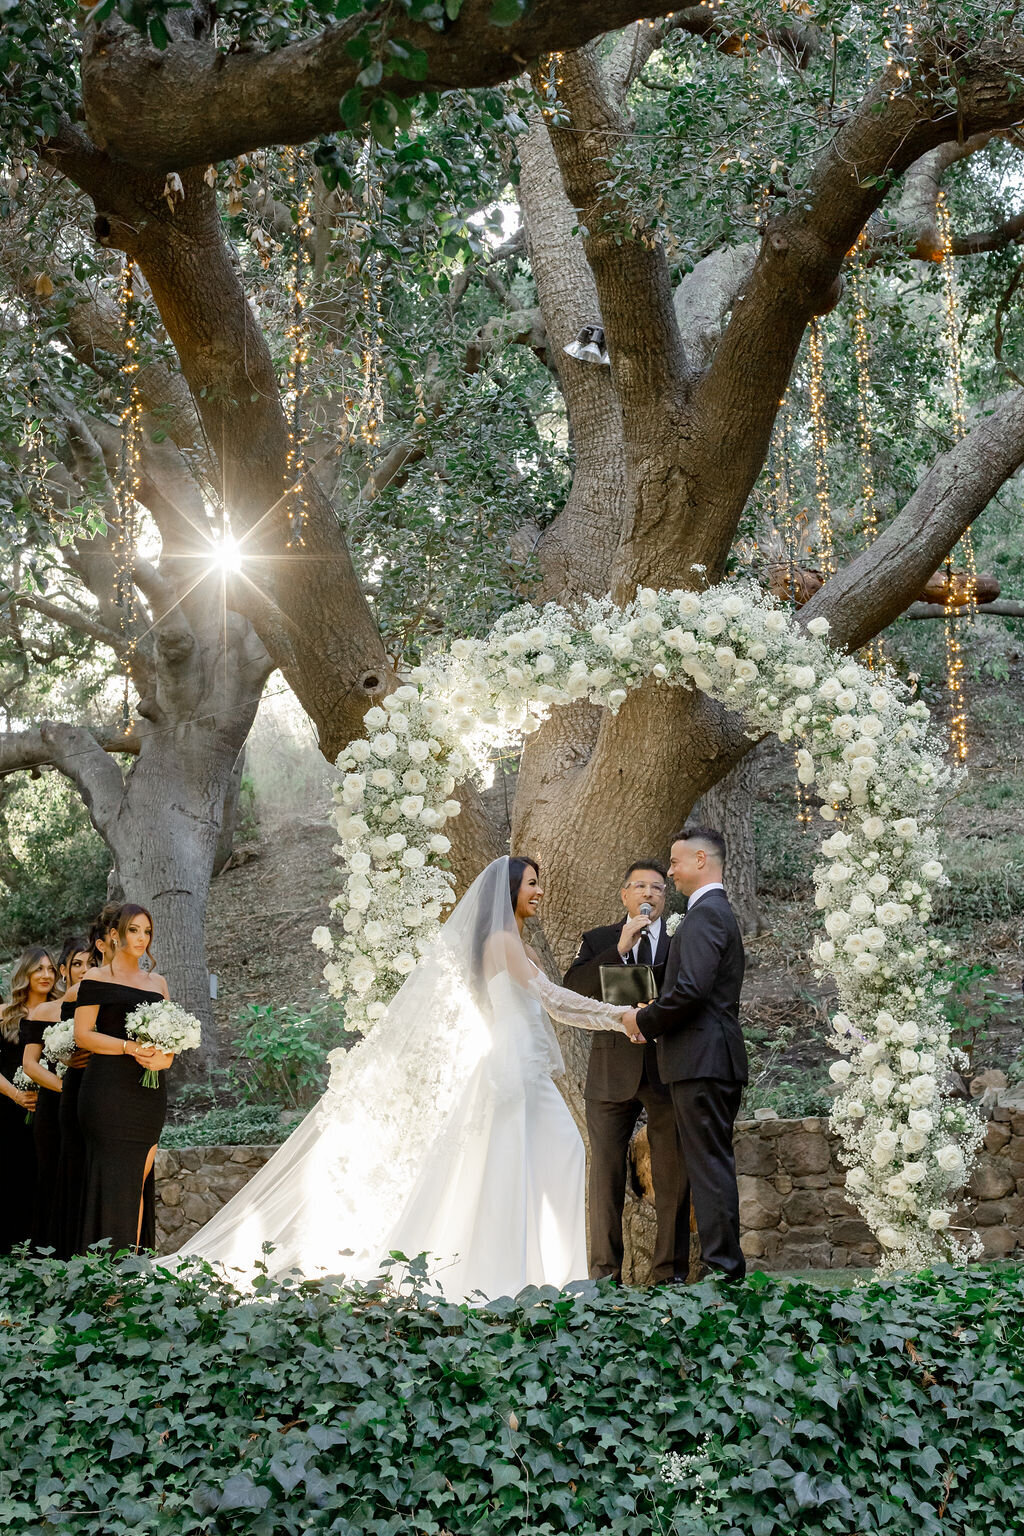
(442, 1132)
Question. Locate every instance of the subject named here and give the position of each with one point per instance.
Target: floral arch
(861, 741)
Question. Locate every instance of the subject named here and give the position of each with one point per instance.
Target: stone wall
(793, 1208)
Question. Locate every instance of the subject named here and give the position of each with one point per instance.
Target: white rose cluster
(863, 747)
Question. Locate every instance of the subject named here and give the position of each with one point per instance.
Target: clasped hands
(629, 1025)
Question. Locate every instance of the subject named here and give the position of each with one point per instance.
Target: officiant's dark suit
(694, 1023)
(622, 1081)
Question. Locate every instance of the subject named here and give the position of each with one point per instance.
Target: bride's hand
(629, 1025)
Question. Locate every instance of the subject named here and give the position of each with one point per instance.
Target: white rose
(861, 904)
(818, 626)
(412, 916)
(855, 944)
(837, 923)
(872, 827)
(837, 790)
(905, 828)
(322, 939)
(843, 726)
(890, 1238)
(382, 778)
(829, 688)
(379, 848)
(855, 1109)
(826, 951)
(398, 722)
(414, 858)
(885, 1143)
(896, 1186)
(866, 963)
(949, 1158)
(647, 597)
(775, 622)
(403, 962)
(439, 844)
(856, 1178)
(758, 651)
(616, 697)
(836, 844)
(621, 647)
(922, 1089)
(878, 884)
(407, 695)
(375, 718)
(410, 806)
(891, 914)
(374, 931)
(846, 700)
(714, 624)
(913, 1141)
(418, 751)
(938, 1220)
(352, 921)
(884, 1022)
(874, 938)
(932, 870)
(414, 781)
(838, 874)
(360, 863)
(651, 624)
(536, 637)
(841, 1023)
(396, 842)
(826, 813)
(359, 750)
(384, 745)
(688, 604)
(544, 664)
(872, 1052)
(359, 898)
(914, 1173)
(725, 655)
(451, 808)
(909, 1060)
(878, 698)
(920, 1120)
(849, 675)
(802, 677)
(840, 1071)
(462, 649)
(733, 606)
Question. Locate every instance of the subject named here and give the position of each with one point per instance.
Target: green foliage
(281, 1058)
(241, 1125)
(986, 882)
(53, 865)
(139, 1401)
(971, 1005)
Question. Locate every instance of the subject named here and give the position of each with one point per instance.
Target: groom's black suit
(623, 1080)
(701, 1056)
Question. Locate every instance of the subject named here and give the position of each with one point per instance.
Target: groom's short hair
(713, 842)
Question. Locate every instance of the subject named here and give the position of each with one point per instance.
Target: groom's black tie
(644, 953)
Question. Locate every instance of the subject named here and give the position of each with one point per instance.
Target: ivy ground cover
(136, 1400)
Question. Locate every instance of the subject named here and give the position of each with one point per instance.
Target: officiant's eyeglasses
(646, 885)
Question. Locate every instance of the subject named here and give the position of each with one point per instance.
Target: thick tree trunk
(728, 807)
(229, 819)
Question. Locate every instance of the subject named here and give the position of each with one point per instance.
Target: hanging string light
(785, 530)
(862, 355)
(962, 586)
(819, 434)
(298, 338)
(371, 409)
(126, 490)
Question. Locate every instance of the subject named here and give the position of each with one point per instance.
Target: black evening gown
(70, 1183)
(46, 1135)
(120, 1120)
(17, 1157)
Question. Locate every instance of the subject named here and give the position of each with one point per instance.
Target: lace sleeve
(567, 1007)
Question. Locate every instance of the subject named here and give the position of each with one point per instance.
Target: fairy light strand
(865, 432)
(819, 433)
(126, 491)
(298, 337)
(961, 586)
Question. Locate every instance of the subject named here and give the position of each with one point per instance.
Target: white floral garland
(861, 740)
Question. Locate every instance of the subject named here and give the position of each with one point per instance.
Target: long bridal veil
(413, 1145)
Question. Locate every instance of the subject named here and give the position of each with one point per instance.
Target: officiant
(623, 1082)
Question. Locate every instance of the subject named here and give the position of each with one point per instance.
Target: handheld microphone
(646, 910)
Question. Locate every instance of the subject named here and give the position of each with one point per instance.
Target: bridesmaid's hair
(126, 913)
(516, 870)
(101, 927)
(77, 944)
(13, 1012)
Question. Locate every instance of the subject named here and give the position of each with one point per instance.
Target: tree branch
(76, 619)
(873, 590)
(1000, 607)
(80, 753)
(191, 103)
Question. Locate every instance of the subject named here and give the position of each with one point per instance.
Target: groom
(623, 1082)
(701, 1054)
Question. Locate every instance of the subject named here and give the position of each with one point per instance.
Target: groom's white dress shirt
(702, 890)
(654, 930)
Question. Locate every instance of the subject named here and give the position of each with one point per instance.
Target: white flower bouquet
(24, 1084)
(59, 1043)
(166, 1026)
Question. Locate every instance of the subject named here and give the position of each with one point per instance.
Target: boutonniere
(672, 923)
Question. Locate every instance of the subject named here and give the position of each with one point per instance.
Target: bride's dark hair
(516, 870)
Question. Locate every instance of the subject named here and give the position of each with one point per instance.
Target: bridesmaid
(31, 985)
(121, 1120)
(58, 1168)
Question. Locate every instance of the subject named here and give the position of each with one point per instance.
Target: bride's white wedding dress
(441, 1133)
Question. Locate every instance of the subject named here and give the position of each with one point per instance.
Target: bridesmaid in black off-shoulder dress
(120, 1120)
(59, 1185)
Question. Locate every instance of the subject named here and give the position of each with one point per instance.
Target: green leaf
(505, 12)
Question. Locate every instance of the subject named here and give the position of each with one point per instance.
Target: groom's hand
(629, 1025)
